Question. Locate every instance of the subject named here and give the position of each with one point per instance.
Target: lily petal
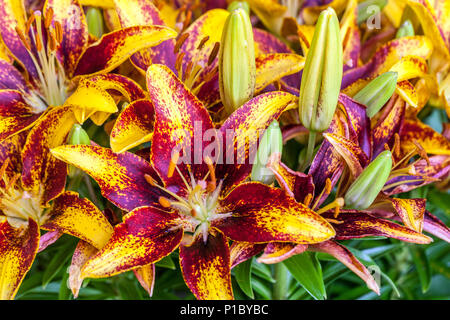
(358, 224)
(15, 114)
(141, 13)
(436, 227)
(80, 218)
(347, 258)
(433, 142)
(261, 214)
(133, 126)
(48, 239)
(242, 251)
(206, 267)
(146, 277)
(411, 211)
(18, 247)
(40, 168)
(120, 176)
(276, 252)
(180, 118)
(83, 252)
(145, 236)
(117, 46)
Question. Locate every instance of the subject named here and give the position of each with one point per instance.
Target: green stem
(310, 150)
(281, 285)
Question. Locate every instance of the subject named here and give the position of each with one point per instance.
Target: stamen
(24, 40)
(150, 180)
(202, 43)
(396, 147)
(58, 32)
(308, 199)
(187, 20)
(188, 70)
(212, 171)
(173, 164)
(334, 221)
(214, 53)
(178, 64)
(29, 23)
(422, 153)
(325, 192)
(48, 18)
(180, 42)
(338, 202)
(164, 202)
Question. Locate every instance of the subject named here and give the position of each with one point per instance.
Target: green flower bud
(239, 4)
(270, 143)
(237, 69)
(322, 75)
(94, 19)
(369, 183)
(405, 30)
(365, 9)
(77, 135)
(377, 92)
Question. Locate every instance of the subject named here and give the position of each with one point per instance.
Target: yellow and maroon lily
(53, 49)
(200, 203)
(23, 214)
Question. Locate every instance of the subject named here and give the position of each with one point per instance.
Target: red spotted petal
(347, 258)
(261, 214)
(242, 251)
(358, 224)
(18, 247)
(11, 149)
(206, 267)
(145, 236)
(140, 13)
(146, 277)
(80, 218)
(181, 124)
(83, 252)
(276, 252)
(248, 122)
(436, 227)
(10, 78)
(48, 239)
(120, 176)
(40, 168)
(115, 47)
(430, 140)
(133, 126)
(411, 211)
(15, 114)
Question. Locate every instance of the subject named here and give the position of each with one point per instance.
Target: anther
(421, 151)
(173, 164)
(58, 32)
(338, 202)
(214, 53)
(24, 40)
(334, 221)
(212, 184)
(150, 180)
(187, 19)
(308, 199)
(202, 43)
(48, 18)
(180, 42)
(164, 202)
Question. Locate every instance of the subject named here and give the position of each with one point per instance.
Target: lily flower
(193, 57)
(23, 214)
(52, 48)
(198, 204)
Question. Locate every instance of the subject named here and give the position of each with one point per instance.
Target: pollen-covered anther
(337, 203)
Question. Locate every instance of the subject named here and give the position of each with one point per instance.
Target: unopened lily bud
(405, 30)
(368, 8)
(322, 75)
(237, 69)
(270, 143)
(369, 183)
(239, 4)
(77, 135)
(377, 92)
(94, 20)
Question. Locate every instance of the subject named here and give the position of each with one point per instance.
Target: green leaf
(263, 271)
(166, 262)
(59, 259)
(243, 274)
(306, 269)
(64, 291)
(422, 266)
(262, 289)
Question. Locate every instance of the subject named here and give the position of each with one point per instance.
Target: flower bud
(237, 69)
(239, 4)
(366, 9)
(377, 92)
(94, 20)
(322, 75)
(77, 135)
(369, 183)
(270, 143)
(405, 30)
